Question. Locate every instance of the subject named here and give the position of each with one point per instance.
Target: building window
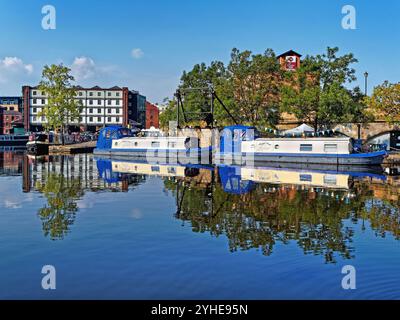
(117, 119)
(90, 102)
(109, 110)
(99, 102)
(34, 101)
(109, 119)
(90, 94)
(34, 110)
(43, 101)
(109, 94)
(109, 102)
(117, 102)
(306, 147)
(98, 110)
(43, 118)
(80, 94)
(99, 119)
(90, 110)
(117, 94)
(80, 119)
(99, 94)
(90, 119)
(117, 110)
(34, 93)
(12, 108)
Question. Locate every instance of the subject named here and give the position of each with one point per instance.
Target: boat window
(277, 146)
(155, 144)
(124, 132)
(330, 147)
(305, 177)
(171, 144)
(155, 169)
(136, 144)
(306, 147)
(108, 134)
(330, 179)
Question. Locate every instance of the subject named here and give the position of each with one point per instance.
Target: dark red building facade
(9, 119)
(152, 114)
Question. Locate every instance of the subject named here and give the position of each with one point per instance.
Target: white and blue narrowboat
(115, 141)
(242, 145)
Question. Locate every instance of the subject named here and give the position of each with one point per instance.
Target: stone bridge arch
(368, 130)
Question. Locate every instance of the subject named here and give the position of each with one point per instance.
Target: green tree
(316, 93)
(62, 107)
(256, 81)
(385, 101)
(197, 103)
(59, 212)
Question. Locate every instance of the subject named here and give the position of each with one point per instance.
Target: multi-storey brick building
(8, 120)
(101, 107)
(152, 113)
(10, 114)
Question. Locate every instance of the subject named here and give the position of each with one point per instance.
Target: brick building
(152, 113)
(289, 60)
(8, 120)
(101, 107)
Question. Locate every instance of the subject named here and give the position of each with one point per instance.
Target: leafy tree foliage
(385, 101)
(62, 107)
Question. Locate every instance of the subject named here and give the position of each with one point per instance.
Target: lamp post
(366, 82)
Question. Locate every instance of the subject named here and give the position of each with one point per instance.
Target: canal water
(133, 230)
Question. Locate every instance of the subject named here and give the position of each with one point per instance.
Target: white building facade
(100, 107)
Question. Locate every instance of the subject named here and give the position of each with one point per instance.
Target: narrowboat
(242, 144)
(38, 144)
(115, 141)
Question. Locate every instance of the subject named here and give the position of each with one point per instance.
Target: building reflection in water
(63, 180)
(255, 208)
(11, 163)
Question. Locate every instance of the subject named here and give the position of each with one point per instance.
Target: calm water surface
(126, 230)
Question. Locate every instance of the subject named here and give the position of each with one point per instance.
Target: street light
(366, 82)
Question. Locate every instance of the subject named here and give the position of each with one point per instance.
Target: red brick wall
(7, 118)
(151, 115)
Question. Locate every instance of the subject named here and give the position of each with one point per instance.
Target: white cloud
(12, 68)
(83, 68)
(137, 53)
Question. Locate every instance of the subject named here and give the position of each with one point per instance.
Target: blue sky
(96, 38)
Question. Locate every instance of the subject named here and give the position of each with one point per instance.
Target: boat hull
(198, 155)
(37, 148)
(364, 159)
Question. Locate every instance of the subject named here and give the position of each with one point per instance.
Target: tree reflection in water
(320, 222)
(59, 212)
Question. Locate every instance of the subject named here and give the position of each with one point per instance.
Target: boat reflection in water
(254, 208)
(259, 207)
